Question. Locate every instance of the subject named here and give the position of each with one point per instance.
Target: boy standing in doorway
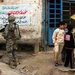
(69, 46)
(58, 40)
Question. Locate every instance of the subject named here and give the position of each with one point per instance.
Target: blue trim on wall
(61, 9)
(44, 24)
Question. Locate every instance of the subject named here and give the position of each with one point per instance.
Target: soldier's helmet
(11, 18)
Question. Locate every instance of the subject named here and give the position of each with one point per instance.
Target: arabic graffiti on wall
(21, 12)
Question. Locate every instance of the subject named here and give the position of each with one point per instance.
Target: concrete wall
(33, 30)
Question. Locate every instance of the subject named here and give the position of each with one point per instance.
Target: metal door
(54, 17)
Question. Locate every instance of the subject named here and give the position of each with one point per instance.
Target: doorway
(54, 17)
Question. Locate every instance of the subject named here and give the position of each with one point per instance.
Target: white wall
(33, 30)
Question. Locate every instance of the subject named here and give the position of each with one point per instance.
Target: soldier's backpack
(17, 35)
(17, 31)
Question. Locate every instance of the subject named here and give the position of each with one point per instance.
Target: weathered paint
(33, 30)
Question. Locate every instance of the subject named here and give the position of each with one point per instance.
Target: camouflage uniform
(11, 34)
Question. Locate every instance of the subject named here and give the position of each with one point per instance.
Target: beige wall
(33, 30)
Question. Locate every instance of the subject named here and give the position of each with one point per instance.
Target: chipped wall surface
(33, 30)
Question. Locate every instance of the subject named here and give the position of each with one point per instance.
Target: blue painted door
(54, 17)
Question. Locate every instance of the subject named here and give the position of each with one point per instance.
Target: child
(58, 40)
(64, 51)
(69, 46)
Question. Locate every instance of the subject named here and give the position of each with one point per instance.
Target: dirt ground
(40, 64)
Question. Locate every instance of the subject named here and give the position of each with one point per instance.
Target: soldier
(11, 34)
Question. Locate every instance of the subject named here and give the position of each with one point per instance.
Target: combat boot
(12, 64)
(17, 61)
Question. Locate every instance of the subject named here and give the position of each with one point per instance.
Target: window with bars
(68, 10)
